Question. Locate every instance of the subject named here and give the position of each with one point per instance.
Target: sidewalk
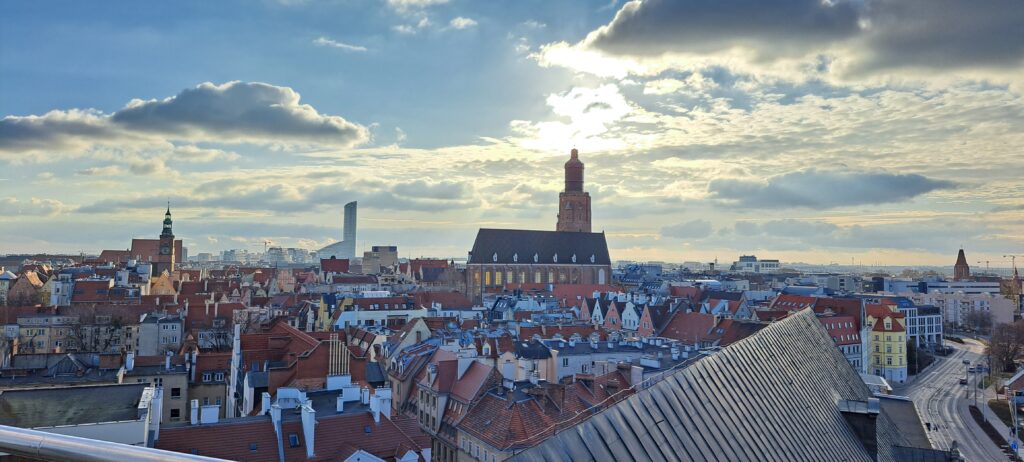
(992, 418)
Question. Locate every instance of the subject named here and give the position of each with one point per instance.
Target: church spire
(167, 222)
(961, 270)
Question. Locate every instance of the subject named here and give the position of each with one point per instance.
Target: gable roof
(689, 328)
(797, 377)
(512, 246)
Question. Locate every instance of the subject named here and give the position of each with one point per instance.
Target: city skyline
(854, 137)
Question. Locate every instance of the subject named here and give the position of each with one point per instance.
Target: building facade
(511, 256)
(887, 340)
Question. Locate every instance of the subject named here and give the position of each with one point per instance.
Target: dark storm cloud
(703, 26)
(231, 112)
(816, 189)
(943, 34)
(881, 34)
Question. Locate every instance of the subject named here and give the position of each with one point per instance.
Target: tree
(1006, 345)
(980, 321)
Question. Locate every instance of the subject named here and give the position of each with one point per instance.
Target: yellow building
(887, 342)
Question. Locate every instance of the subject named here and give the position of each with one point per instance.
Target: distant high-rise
(349, 230)
(961, 270)
(346, 248)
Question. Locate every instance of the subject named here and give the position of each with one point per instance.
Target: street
(941, 400)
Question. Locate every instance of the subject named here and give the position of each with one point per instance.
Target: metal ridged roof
(772, 396)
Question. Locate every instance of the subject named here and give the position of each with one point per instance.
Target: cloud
(770, 28)
(934, 235)
(407, 5)
(850, 38)
(108, 170)
(942, 35)
(234, 112)
(409, 29)
(190, 153)
(462, 23)
(292, 196)
(817, 189)
(326, 42)
(693, 229)
(10, 206)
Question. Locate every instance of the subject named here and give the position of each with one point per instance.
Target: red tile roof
(842, 329)
(334, 436)
(334, 265)
(447, 300)
(472, 382)
(690, 328)
(792, 302)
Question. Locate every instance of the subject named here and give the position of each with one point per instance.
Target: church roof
(515, 246)
(961, 260)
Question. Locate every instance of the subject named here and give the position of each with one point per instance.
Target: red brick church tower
(961, 270)
(574, 203)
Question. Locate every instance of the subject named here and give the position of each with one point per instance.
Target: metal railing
(39, 445)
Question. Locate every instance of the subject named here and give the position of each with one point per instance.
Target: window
(175, 393)
(218, 401)
(206, 400)
(293, 440)
(878, 360)
(220, 377)
(158, 382)
(565, 362)
(207, 376)
(888, 360)
(175, 414)
(252, 447)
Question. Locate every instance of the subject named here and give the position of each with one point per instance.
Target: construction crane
(1013, 259)
(986, 262)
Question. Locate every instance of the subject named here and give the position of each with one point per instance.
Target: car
(963, 381)
(971, 369)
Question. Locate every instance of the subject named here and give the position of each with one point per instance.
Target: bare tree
(979, 321)
(1006, 345)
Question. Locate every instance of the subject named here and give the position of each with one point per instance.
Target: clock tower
(165, 259)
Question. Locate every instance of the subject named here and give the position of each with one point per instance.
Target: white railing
(51, 446)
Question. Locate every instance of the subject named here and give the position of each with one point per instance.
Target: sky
(866, 131)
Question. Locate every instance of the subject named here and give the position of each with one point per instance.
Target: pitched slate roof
(789, 378)
(47, 407)
(514, 246)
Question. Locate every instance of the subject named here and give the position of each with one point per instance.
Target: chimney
(129, 361)
(265, 406)
(375, 408)
(464, 364)
(364, 396)
(862, 416)
(309, 428)
(195, 412)
(341, 404)
(156, 412)
(167, 361)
